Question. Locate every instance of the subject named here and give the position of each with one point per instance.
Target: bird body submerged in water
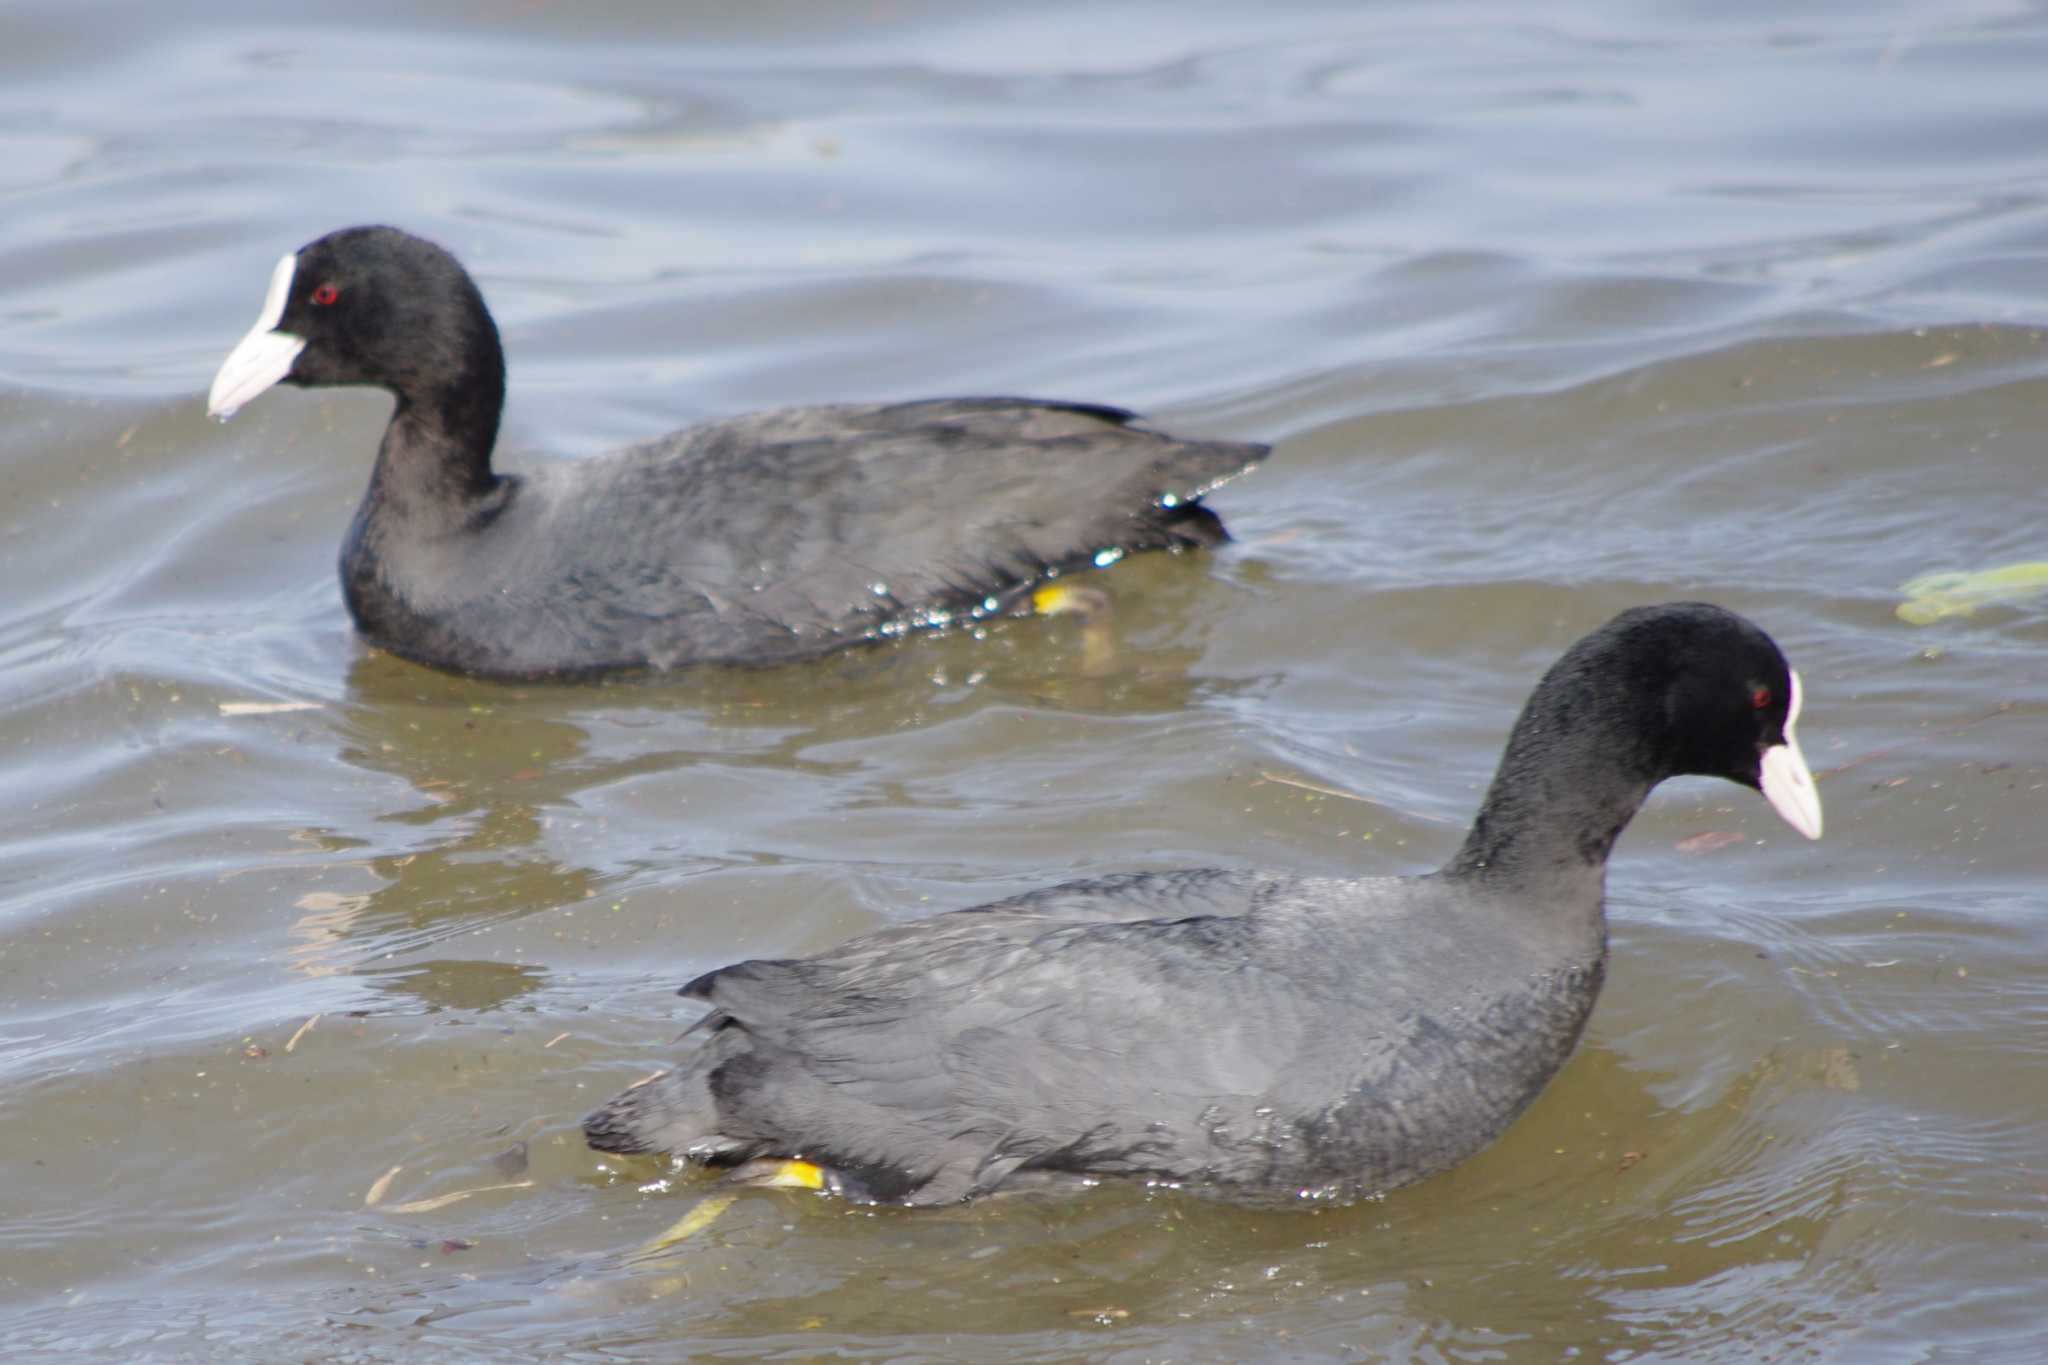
(760, 539)
(1262, 1032)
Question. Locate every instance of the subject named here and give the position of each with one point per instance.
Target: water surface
(1548, 315)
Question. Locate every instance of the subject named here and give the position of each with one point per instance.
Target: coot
(1266, 1033)
(755, 540)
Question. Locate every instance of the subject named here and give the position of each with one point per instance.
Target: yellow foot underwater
(781, 1173)
(1093, 606)
(790, 1173)
(1070, 599)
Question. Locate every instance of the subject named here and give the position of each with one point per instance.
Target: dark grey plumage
(759, 539)
(1261, 1031)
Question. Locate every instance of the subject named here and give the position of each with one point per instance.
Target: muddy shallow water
(1546, 317)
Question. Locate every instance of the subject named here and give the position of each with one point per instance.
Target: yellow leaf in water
(1932, 596)
(695, 1221)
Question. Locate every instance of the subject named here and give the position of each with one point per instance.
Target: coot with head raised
(754, 540)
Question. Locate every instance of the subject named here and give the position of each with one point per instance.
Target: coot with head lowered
(1265, 1033)
(760, 539)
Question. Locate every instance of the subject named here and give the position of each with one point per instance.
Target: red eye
(325, 294)
(1760, 698)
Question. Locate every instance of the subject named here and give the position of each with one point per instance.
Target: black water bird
(1266, 1033)
(759, 539)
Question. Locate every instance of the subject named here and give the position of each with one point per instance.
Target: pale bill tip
(1787, 781)
(263, 356)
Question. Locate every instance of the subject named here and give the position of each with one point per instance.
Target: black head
(1657, 692)
(372, 305)
(1698, 690)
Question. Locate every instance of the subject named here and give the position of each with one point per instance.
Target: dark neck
(435, 459)
(1569, 783)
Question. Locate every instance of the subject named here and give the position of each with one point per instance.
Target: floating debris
(267, 708)
(380, 1187)
(695, 1221)
(304, 1029)
(1318, 788)
(442, 1201)
(1930, 597)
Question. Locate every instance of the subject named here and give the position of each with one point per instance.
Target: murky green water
(1550, 314)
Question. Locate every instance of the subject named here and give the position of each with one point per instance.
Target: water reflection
(484, 770)
(464, 746)
(1581, 1232)
(452, 984)
(501, 779)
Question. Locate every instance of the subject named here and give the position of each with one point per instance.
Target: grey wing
(866, 1053)
(861, 520)
(1137, 1047)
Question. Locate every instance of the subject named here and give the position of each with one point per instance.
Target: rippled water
(1549, 315)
